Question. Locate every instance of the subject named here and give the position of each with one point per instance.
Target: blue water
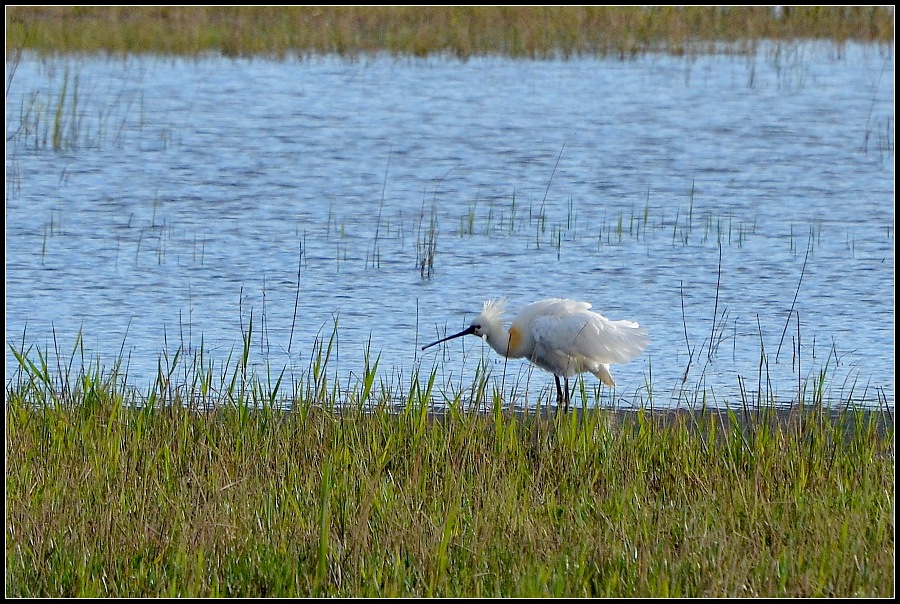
(739, 208)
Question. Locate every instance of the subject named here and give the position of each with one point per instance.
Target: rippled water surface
(740, 209)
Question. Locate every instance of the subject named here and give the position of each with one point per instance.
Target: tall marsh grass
(223, 483)
(462, 31)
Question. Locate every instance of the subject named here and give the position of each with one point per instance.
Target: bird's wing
(590, 335)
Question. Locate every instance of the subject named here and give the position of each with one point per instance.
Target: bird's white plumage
(587, 334)
(569, 338)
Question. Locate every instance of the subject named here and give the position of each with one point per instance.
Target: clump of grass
(54, 123)
(238, 489)
(456, 30)
(59, 116)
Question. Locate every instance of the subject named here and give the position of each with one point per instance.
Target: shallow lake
(741, 209)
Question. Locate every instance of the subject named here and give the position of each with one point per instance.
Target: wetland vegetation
(526, 32)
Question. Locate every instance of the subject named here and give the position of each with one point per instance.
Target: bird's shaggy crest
(493, 310)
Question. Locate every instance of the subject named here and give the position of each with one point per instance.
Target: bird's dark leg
(559, 393)
(567, 394)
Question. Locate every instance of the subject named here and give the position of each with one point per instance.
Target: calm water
(191, 193)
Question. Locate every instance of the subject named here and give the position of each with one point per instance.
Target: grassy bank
(461, 31)
(109, 493)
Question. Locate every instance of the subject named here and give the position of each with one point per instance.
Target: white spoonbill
(561, 336)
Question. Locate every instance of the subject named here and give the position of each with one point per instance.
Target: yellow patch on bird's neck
(515, 340)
